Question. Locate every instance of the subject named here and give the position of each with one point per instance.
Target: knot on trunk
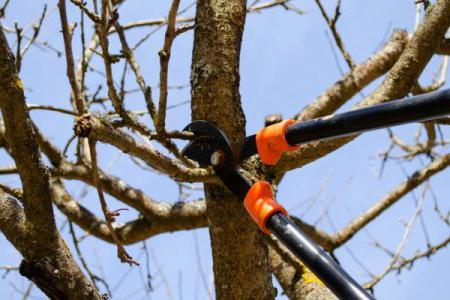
(83, 125)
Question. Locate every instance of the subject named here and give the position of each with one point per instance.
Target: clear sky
(286, 62)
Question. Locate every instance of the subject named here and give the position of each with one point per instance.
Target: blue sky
(286, 62)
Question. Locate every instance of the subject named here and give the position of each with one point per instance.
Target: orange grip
(260, 204)
(271, 142)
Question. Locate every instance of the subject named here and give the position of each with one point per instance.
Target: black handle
(316, 259)
(413, 109)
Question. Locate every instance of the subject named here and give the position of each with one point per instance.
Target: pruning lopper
(210, 147)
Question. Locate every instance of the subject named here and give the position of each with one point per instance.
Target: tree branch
(164, 57)
(389, 199)
(49, 255)
(165, 218)
(105, 133)
(396, 85)
(356, 79)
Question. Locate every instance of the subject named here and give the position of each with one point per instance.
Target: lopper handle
(271, 218)
(271, 141)
(316, 259)
(412, 109)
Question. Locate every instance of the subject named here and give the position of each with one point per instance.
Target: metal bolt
(217, 159)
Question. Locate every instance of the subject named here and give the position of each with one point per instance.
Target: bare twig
(131, 59)
(164, 57)
(332, 24)
(401, 245)
(8, 170)
(18, 31)
(255, 7)
(200, 268)
(92, 15)
(8, 269)
(36, 29)
(43, 45)
(94, 278)
(3, 9)
(82, 111)
(50, 108)
(425, 254)
(67, 35)
(109, 215)
(358, 78)
(393, 196)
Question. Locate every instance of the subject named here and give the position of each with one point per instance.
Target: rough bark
(241, 269)
(297, 281)
(47, 259)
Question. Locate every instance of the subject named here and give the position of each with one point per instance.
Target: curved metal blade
(208, 139)
(199, 150)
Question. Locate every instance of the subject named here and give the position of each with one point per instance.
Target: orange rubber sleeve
(271, 142)
(260, 204)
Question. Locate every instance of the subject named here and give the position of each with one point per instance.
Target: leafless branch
(401, 245)
(332, 24)
(164, 57)
(393, 196)
(3, 9)
(8, 170)
(94, 278)
(82, 110)
(396, 85)
(356, 79)
(131, 59)
(36, 29)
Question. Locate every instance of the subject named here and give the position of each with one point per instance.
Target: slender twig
(164, 57)
(402, 243)
(102, 31)
(8, 170)
(109, 215)
(389, 199)
(200, 268)
(50, 108)
(425, 254)
(332, 24)
(27, 292)
(36, 29)
(83, 63)
(131, 59)
(254, 7)
(19, 31)
(43, 45)
(3, 9)
(8, 269)
(82, 111)
(67, 35)
(94, 278)
(92, 15)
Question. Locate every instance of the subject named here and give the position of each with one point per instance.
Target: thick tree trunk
(241, 269)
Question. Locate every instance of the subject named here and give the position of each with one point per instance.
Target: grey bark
(47, 259)
(240, 260)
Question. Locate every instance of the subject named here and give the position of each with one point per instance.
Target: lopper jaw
(208, 140)
(211, 147)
